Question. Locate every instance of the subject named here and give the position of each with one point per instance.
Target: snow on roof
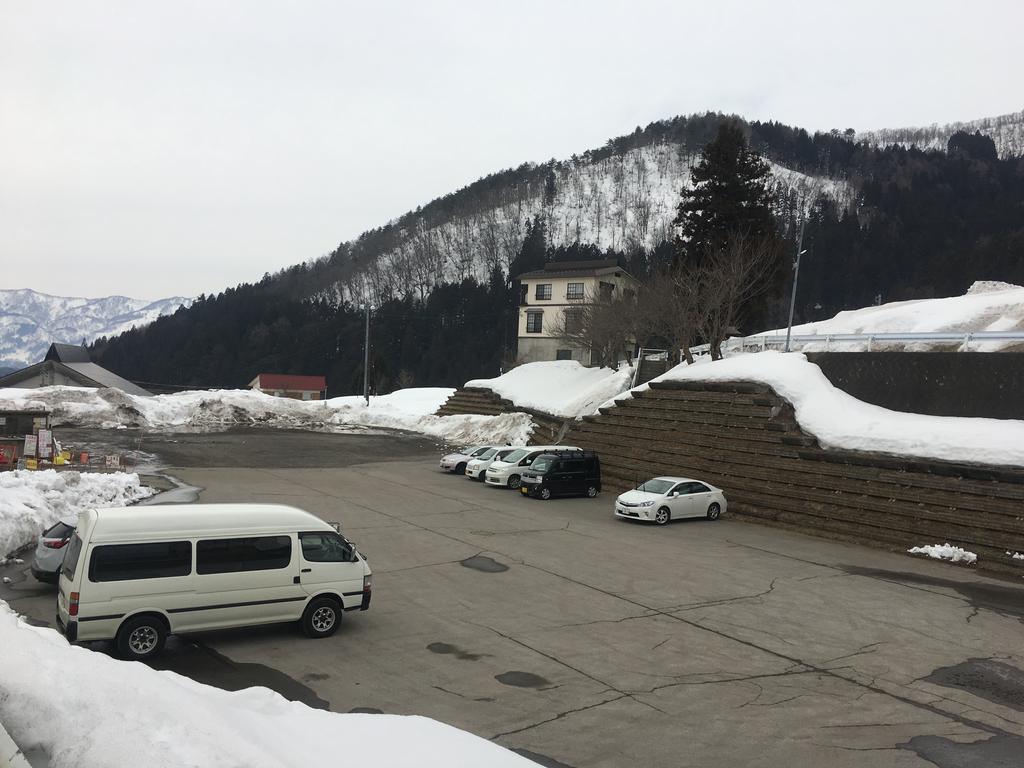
(291, 381)
(107, 713)
(839, 420)
(559, 387)
(987, 306)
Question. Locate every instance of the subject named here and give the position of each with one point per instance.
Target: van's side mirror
(675, 493)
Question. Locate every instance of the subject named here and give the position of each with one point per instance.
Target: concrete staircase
(744, 438)
(547, 429)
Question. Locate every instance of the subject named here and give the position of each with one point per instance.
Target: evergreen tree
(730, 195)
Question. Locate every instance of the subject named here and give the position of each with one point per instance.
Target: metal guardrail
(772, 341)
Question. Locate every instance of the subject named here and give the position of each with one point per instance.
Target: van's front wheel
(141, 638)
(321, 618)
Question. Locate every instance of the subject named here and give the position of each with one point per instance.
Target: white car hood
(635, 497)
(454, 457)
(497, 466)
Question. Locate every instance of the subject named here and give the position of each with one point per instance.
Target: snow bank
(30, 502)
(110, 713)
(559, 387)
(945, 552)
(408, 409)
(839, 420)
(987, 306)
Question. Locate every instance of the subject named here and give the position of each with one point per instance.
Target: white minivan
(135, 575)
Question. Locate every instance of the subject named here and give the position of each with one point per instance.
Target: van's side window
(252, 553)
(320, 547)
(159, 560)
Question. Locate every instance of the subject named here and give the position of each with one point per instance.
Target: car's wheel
(545, 493)
(460, 469)
(662, 516)
(141, 638)
(714, 511)
(514, 482)
(321, 617)
(591, 491)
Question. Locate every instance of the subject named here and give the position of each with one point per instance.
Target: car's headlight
(646, 503)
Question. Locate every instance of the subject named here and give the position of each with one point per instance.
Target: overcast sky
(151, 149)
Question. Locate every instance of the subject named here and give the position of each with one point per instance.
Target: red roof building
(288, 385)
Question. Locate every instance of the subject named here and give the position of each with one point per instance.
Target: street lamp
(796, 277)
(366, 357)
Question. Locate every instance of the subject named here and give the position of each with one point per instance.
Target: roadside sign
(30, 445)
(45, 448)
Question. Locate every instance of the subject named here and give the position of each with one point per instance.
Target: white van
(135, 575)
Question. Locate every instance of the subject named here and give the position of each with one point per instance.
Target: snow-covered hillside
(622, 201)
(1007, 131)
(30, 321)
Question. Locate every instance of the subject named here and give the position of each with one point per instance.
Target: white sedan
(668, 498)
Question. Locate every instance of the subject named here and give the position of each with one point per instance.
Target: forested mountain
(1006, 132)
(891, 221)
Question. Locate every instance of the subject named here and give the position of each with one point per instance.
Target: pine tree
(730, 195)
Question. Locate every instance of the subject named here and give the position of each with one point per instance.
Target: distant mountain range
(30, 321)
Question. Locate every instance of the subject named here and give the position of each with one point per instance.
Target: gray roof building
(69, 365)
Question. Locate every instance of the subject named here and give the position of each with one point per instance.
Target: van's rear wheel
(591, 491)
(321, 618)
(141, 638)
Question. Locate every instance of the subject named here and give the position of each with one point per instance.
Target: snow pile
(31, 502)
(987, 306)
(945, 552)
(1016, 555)
(559, 387)
(408, 409)
(110, 713)
(839, 420)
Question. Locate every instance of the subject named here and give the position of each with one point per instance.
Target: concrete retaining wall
(744, 438)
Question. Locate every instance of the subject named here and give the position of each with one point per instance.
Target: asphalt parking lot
(582, 640)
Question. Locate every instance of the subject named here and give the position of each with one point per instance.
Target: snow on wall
(108, 714)
(622, 202)
(839, 420)
(30, 502)
(987, 306)
(559, 387)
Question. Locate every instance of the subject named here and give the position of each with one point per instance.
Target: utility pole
(796, 277)
(366, 358)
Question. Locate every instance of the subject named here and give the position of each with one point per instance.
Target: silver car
(456, 462)
(51, 548)
(662, 499)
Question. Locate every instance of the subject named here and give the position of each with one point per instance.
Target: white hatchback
(662, 499)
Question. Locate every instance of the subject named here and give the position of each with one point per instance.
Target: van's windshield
(516, 455)
(71, 557)
(488, 454)
(542, 463)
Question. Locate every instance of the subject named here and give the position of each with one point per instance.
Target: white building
(549, 296)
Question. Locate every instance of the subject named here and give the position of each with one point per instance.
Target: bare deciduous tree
(602, 324)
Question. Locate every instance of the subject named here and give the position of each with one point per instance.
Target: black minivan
(572, 473)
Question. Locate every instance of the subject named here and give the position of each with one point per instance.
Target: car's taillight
(55, 543)
(367, 583)
(73, 604)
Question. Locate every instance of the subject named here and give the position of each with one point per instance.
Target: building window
(573, 320)
(543, 292)
(563, 354)
(534, 322)
(606, 290)
(574, 291)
